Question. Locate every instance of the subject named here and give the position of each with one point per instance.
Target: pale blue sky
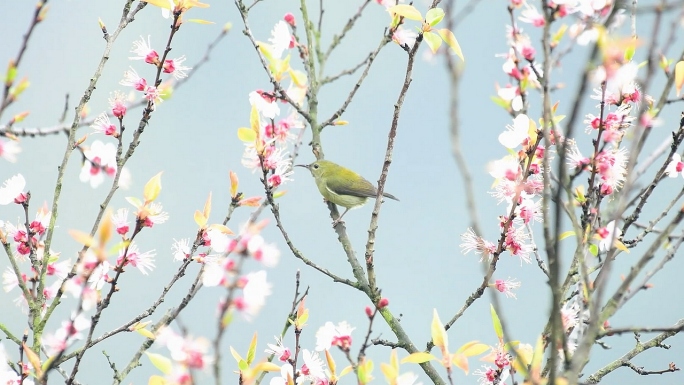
(192, 139)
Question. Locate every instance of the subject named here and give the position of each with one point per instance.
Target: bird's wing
(364, 189)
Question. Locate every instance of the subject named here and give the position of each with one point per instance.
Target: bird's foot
(337, 222)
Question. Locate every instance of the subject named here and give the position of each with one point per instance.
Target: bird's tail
(390, 196)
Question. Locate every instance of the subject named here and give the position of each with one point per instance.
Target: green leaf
(407, 11)
(434, 16)
(235, 354)
(512, 344)
(433, 41)
(418, 358)
(246, 135)
(243, 365)
(498, 329)
(501, 102)
(160, 362)
(252, 350)
(451, 41)
(593, 249)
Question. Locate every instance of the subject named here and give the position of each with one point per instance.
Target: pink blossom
(176, 68)
(532, 16)
(120, 221)
(100, 159)
(131, 79)
(253, 295)
(607, 235)
(268, 254)
(507, 286)
(144, 51)
(12, 191)
(117, 103)
(279, 350)
(675, 167)
(280, 39)
(188, 351)
(180, 249)
(9, 150)
(473, 242)
(153, 95)
(103, 125)
(404, 37)
(265, 103)
(330, 335)
(59, 269)
(516, 134)
(143, 261)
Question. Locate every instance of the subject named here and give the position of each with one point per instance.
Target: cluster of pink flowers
(187, 353)
(499, 373)
(269, 151)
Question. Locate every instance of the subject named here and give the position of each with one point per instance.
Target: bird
(342, 186)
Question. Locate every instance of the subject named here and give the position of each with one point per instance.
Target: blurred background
(192, 139)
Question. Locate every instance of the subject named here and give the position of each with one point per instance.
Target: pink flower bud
(289, 19)
(383, 303)
(369, 311)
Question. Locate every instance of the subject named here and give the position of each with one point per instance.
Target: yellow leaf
(418, 358)
(433, 41)
(620, 246)
(346, 370)
(460, 361)
(394, 360)
(389, 372)
(152, 188)
(166, 4)
(265, 50)
(407, 11)
(331, 361)
(523, 358)
(679, 76)
(246, 135)
(200, 219)
(254, 122)
(160, 362)
(235, 354)
(156, 380)
(439, 336)
(474, 349)
(105, 230)
(298, 77)
(234, 182)
(145, 333)
(266, 367)
(223, 229)
(207, 206)
(566, 234)
(82, 238)
(451, 41)
(34, 359)
(199, 21)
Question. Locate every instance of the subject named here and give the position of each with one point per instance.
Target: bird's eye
(315, 166)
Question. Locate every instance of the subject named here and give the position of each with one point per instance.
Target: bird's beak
(302, 165)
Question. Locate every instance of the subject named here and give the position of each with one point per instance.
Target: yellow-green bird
(342, 186)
